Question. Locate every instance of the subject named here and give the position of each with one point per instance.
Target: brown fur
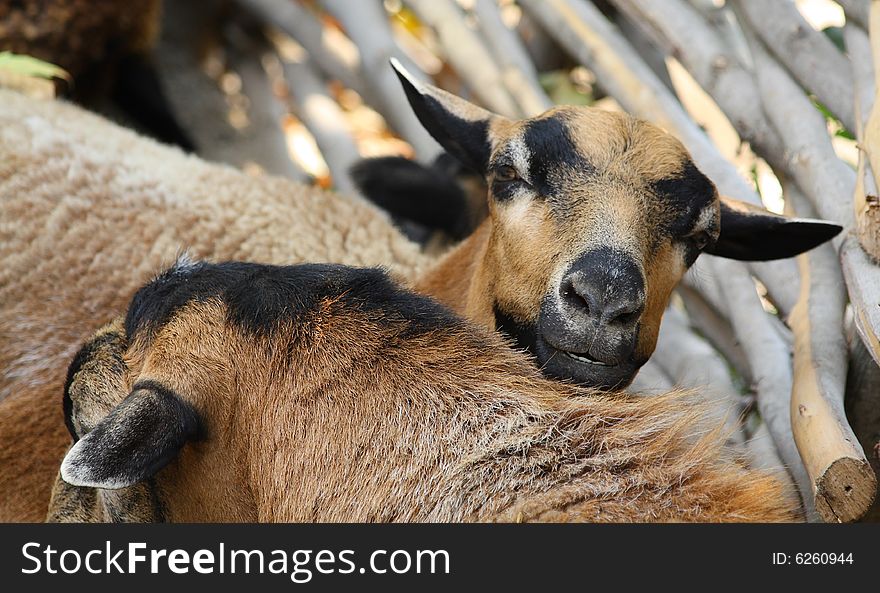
(78, 35)
(343, 416)
(67, 269)
(611, 207)
(89, 211)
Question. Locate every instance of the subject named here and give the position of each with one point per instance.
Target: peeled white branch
(811, 160)
(844, 482)
(808, 54)
(762, 452)
(651, 380)
(856, 11)
(867, 202)
(467, 53)
(201, 105)
(827, 181)
(518, 71)
(715, 327)
(323, 117)
(262, 139)
(366, 23)
(299, 22)
(860, 52)
(682, 32)
(692, 363)
(770, 363)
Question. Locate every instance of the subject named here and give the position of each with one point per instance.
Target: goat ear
(137, 439)
(460, 127)
(754, 234)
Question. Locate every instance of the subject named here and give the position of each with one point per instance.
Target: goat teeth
(587, 360)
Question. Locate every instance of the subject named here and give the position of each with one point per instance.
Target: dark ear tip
(820, 230)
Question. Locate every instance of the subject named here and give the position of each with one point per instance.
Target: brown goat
(245, 392)
(609, 210)
(593, 219)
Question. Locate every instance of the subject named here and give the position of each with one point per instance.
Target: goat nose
(609, 305)
(623, 313)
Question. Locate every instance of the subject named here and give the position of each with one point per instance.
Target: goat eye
(700, 239)
(506, 173)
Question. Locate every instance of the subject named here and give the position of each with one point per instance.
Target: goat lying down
(249, 392)
(593, 219)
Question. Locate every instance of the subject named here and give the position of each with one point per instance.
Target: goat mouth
(587, 359)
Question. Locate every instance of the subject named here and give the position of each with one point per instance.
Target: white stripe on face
(706, 219)
(521, 157)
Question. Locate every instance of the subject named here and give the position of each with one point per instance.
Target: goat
(246, 392)
(576, 261)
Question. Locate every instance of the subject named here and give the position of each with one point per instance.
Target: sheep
(105, 47)
(248, 392)
(90, 211)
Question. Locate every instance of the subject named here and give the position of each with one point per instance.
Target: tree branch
(808, 54)
(301, 24)
(844, 483)
(518, 71)
(467, 53)
(367, 25)
(692, 363)
(322, 116)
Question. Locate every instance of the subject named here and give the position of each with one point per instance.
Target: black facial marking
(686, 194)
(550, 144)
(259, 298)
(111, 342)
(523, 335)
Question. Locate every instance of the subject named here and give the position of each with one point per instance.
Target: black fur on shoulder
(259, 298)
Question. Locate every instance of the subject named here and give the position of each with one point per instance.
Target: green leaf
(561, 90)
(28, 66)
(839, 129)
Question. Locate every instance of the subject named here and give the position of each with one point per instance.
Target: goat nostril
(625, 316)
(577, 300)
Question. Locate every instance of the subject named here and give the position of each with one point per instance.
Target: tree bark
(808, 54)
(518, 72)
(366, 23)
(844, 483)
